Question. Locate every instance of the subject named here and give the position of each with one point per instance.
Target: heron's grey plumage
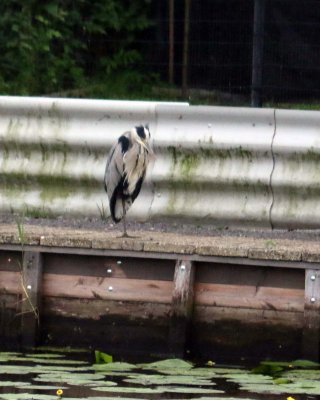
(126, 169)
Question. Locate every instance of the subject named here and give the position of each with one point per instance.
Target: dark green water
(75, 375)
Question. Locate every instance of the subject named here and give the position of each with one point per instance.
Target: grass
(103, 212)
(295, 106)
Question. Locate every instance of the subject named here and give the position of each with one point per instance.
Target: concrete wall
(227, 166)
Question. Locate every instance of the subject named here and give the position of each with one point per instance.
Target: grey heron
(125, 171)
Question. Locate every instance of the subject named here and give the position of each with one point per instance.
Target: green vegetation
(48, 372)
(91, 49)
(103, 212)
(85, 47)
(102, 358)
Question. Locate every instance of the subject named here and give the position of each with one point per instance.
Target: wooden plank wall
(176, 303)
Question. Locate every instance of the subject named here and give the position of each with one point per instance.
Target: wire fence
(207, 46)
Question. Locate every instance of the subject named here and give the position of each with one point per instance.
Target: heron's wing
(114, 177)
(135, 164)
(114, 169)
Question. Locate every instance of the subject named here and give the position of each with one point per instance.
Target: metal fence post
(257, 53)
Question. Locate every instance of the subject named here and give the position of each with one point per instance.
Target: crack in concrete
(272, 170)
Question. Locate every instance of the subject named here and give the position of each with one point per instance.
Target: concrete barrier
(219, 165)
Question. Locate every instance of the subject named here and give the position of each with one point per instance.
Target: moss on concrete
(187, 161)
(51, 187)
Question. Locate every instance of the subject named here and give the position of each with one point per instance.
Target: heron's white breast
(135, 163)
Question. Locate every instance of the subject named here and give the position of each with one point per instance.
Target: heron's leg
(125, 233)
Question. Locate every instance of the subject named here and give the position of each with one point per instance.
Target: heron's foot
(126, 235)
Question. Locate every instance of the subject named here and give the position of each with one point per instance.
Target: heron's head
(143, 137)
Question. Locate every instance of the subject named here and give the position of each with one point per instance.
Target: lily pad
(270, 369)
(304, 364)
(114, 366)
(174, 363)
(25, 396)
(282, 381)
(45, 355)
(146, 380)
(248, 378)
(117, 389)
(71, 379)
(114, 373)
(49, 361)
(14, 384)
(221, 370)
(16, 370)
(41, 387)
(56, 368)
(158, 390)
(300, 387)
(67, 349)
(220, 398)
(282, 364)
(100, 384)
(208, 372)
(7, 356)
(265, 388)
(302, 374)
(191, 390)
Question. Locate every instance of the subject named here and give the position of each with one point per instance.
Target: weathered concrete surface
(262, 247)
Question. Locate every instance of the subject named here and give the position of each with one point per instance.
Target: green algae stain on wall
(36, 159)
(49, 188)
(14, 128)
(186, 164)
(183, 165)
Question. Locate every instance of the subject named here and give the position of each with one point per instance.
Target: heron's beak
(149, 149)
(147, 146)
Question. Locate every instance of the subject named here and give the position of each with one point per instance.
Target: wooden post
(185, 55)
(257, 53)
(181, 307)
(31, 289)
(171, 42)
(311, 331)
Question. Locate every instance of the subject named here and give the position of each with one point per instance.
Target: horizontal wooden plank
(10, 282)
(210, 315)
(239, 296)
(10, 261)
(97, 309)
(88, 287)
(10, 302)
(249, 275)
(115, 267)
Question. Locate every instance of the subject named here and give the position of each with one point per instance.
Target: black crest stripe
(124, 141)
(140, 131)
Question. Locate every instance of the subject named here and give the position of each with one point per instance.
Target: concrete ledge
(255, 248)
